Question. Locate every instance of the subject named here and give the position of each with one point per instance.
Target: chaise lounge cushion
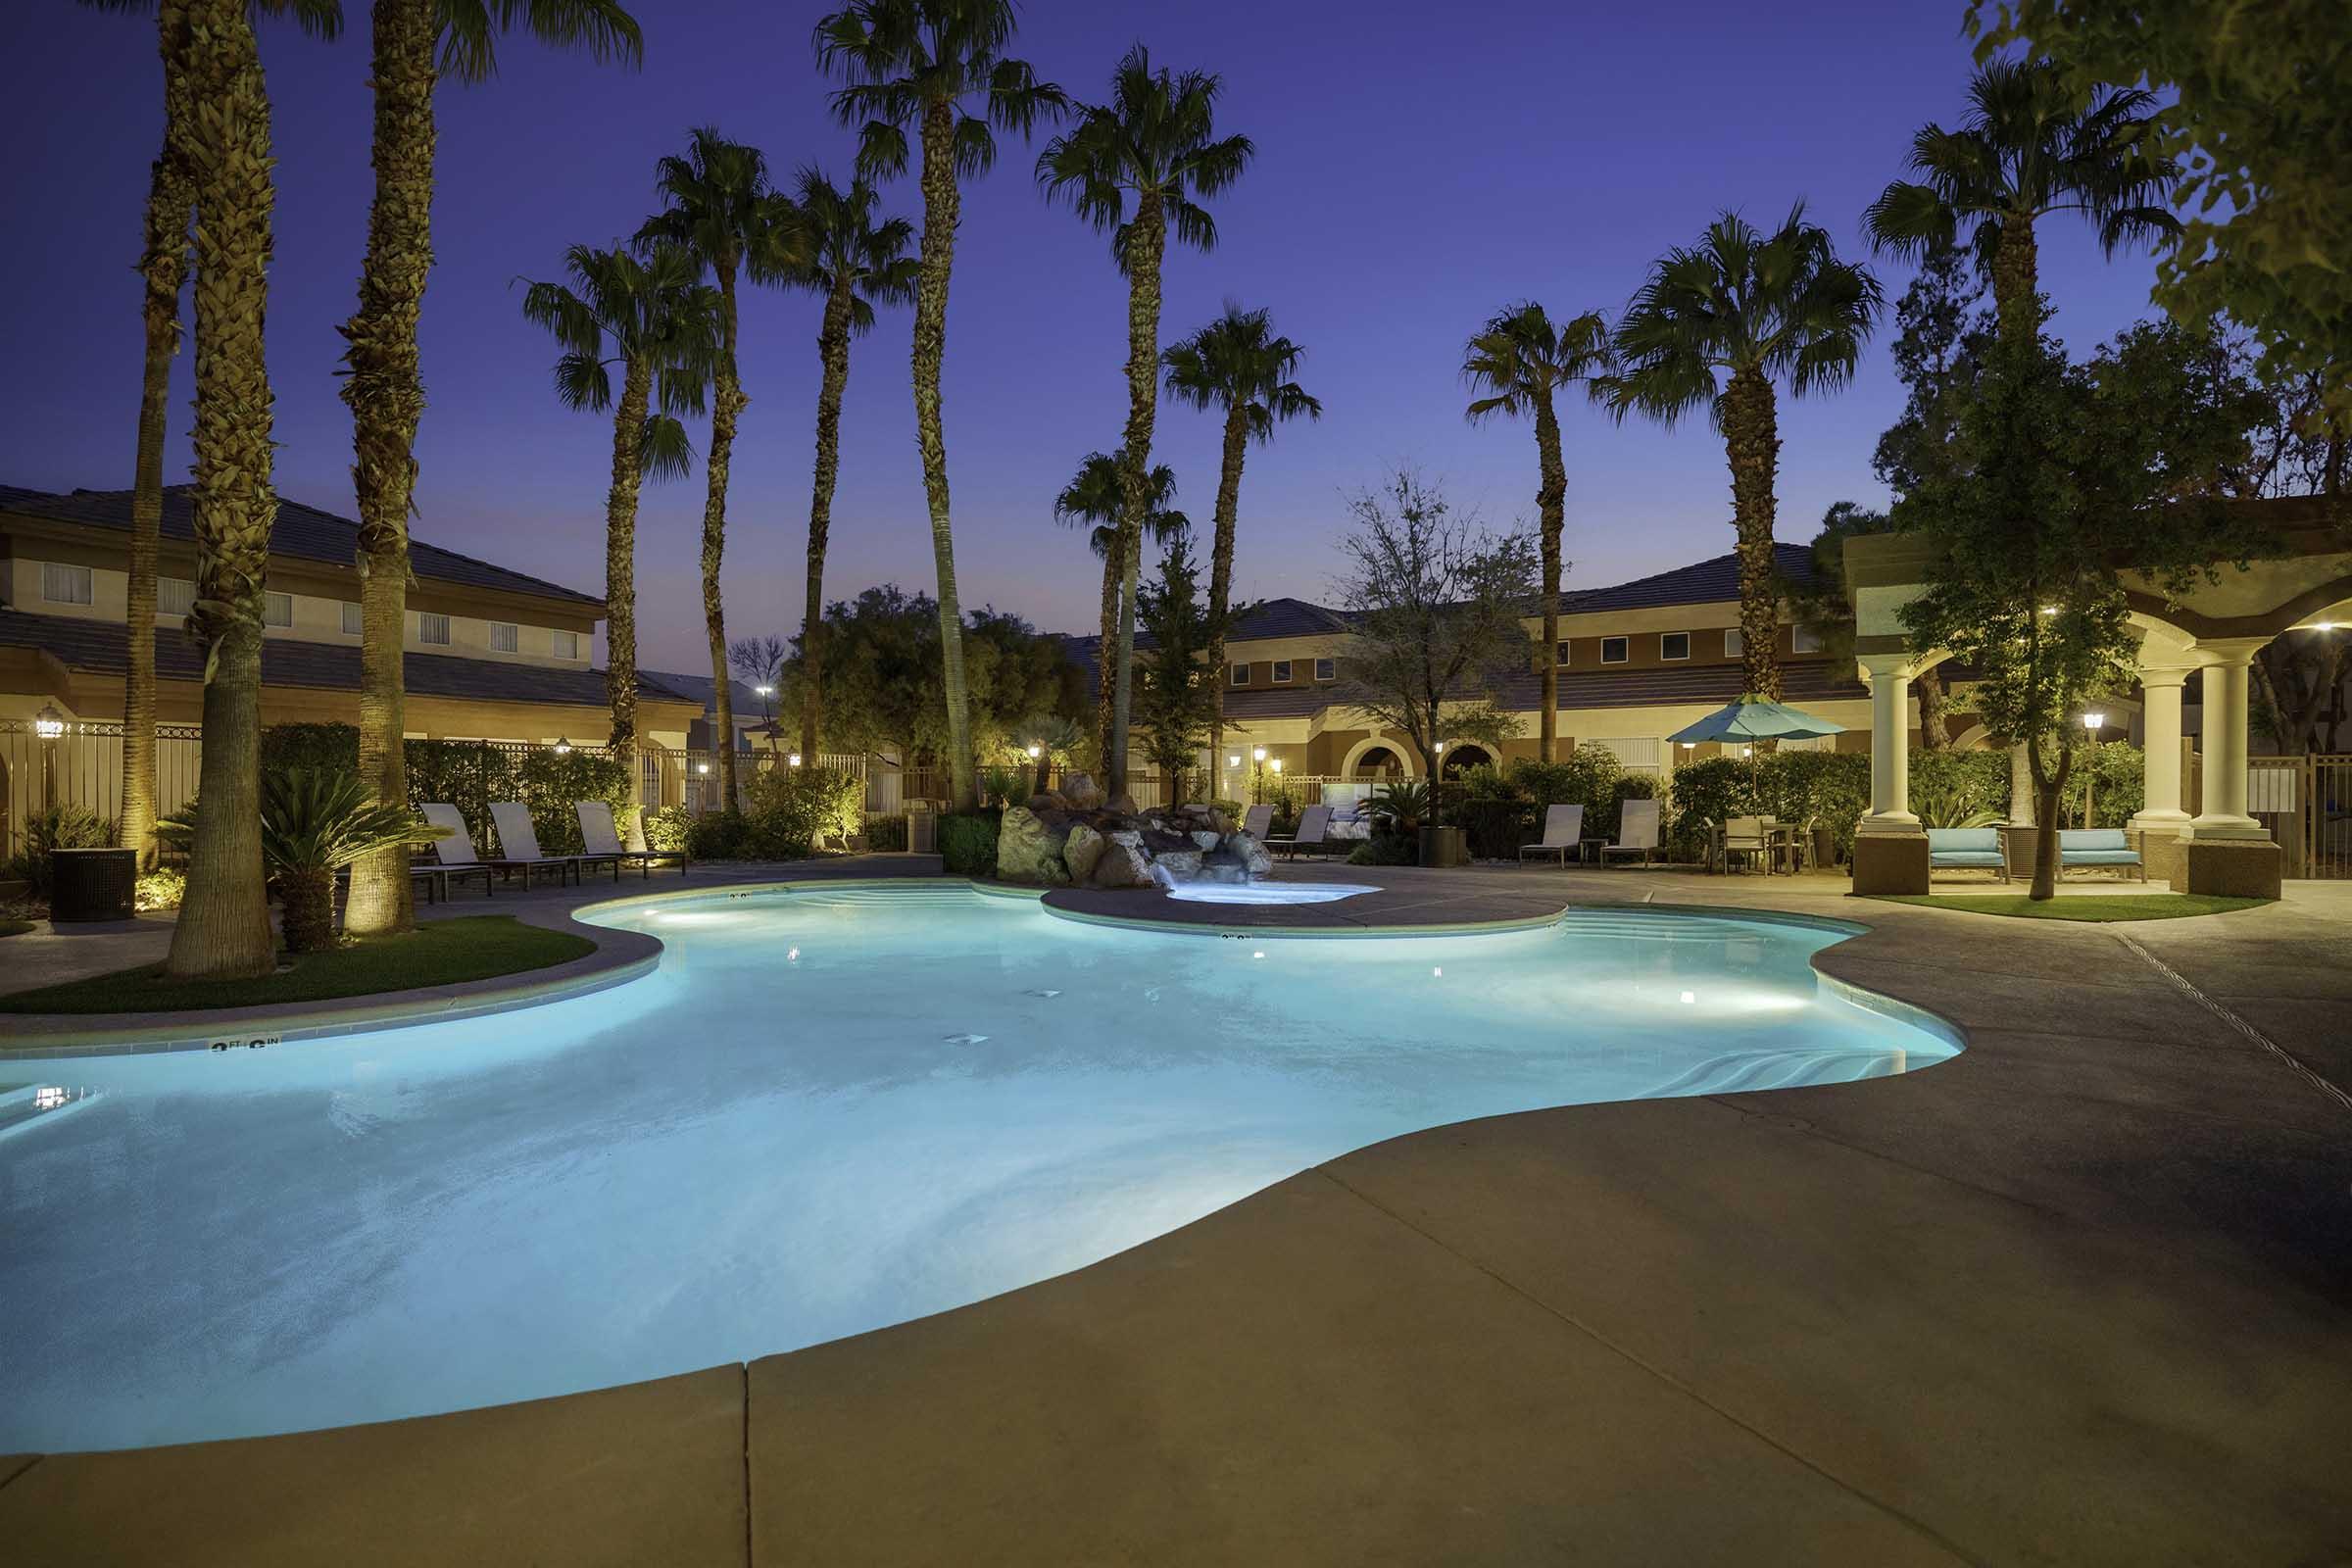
(2095, 846)
(1964, 846)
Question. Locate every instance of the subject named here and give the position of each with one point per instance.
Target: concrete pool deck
(2082, 1295)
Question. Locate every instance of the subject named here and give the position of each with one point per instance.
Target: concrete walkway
(2082, 1294)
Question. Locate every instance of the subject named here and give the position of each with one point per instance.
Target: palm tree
(223, 926)
(1238, 365)
(2028, 146)
(1520, 360)
(1154, 141)
(647, 311)
(1097, 496)
(916, 62)
(162, 268)
(854, 263)
(722, 211)
(1753, 307)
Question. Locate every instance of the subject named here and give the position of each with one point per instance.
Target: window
(175, 596)
(1559, 653)
(351, 624)
(564, 644)
(1733, 647)
(1241, 674)
(65, 585)
(1804, 640)
(1673, 645)
(504, 637)
(277, 609)
(1614, 651)
(1282, 671)
(1327, 669)
(432, 628)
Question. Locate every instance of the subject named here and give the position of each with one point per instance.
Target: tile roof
(1715, 581)
(702, 689)
(1802, 680)
(101, 647)
(301, 533)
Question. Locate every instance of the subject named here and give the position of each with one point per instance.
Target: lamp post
(2092, 722)
(767, 716)
(562, 745)
(1257, 774)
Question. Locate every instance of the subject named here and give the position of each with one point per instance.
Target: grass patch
(437, 953)
(2096, 906)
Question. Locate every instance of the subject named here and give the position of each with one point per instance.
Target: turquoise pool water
(831, 1109)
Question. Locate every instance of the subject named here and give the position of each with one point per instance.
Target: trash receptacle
(93, 883)
(922, 830)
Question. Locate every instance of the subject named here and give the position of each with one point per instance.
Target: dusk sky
(1417, 167)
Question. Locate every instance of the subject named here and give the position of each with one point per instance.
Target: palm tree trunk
(1551, 504)
(2016, 277)
(941, 204)
(1107, 659)
(1751, 439)
(386, 394)
(1146, 240)
(224, 928)
(726, 404)
(833, 349)
(1220, 569)
(309, 899)
(620, 588)
(164, 265)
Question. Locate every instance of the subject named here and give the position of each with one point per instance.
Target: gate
(2307, 804)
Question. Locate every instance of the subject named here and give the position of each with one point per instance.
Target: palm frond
(663, 450)
(470, 30)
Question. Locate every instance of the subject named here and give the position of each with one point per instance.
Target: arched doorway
(1377, 763)
(1461, 759)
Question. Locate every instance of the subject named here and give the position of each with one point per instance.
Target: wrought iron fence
(2306, 801)
(82, 765)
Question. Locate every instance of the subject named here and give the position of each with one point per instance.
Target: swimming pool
(830, 1109)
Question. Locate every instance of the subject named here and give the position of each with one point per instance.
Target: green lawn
(2101, 907)
(437, 953)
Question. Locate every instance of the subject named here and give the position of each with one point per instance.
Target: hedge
(967, 843)
(469, 775)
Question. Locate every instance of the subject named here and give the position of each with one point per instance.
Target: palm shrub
(1400, 807)
(1959, 784)
(1950, 805)
(55, 827)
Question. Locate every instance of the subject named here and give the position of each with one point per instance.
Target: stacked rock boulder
(1073, 837)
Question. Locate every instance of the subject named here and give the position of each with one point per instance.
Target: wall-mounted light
(1232, 762)
(49, 724)
(702, 767)
(562, 745)
(1276, 764)
(794, 760)
(2094, 722)
(1689, 746)
(1036, 751)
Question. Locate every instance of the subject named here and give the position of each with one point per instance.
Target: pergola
(2304, 583)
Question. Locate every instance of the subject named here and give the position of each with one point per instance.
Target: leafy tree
(919, 63)
(646, 310)
(1433, 604)
(1753, 308)
(1156, 141)
(1096, 495)
(2251, 114)
(1940, 334)
(853, 262)
(1176, 689)
(1821, 606)
(2057, 481)
(2030, 145)
(1519, 360)
(1236, 364)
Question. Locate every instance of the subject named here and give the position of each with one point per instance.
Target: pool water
(830, 1109)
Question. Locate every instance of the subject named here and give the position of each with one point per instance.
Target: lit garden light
(49, 724)
(793, 761)
(1036, 751)
(702, 767)
(563, 746)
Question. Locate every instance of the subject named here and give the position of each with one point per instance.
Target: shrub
(718, 836)
(55, 827)
(1386, 848)
(967, 843)
(885, 834)
(1958, 783)
(792, 809)
(469, 775)
(2118, 771)
(549, 784)
(669, 830)
(1400, 807)
(162, 889)
(1833, 787)
(1585, 776)
(314, 822)
(333, 748)
(1494, 827)
(1001, 786)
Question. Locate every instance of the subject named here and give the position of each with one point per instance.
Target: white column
(2160, 744)
(1890, 678)
(2224, 679)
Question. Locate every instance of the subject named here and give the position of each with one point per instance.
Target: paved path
(2082, 1294)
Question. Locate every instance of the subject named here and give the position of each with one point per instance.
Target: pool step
(23, 1104)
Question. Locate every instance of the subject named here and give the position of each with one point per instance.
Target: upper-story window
(1559, 653)
(504, 637)
(1673, 645)
(62, 584)
(1615, 651)
(431, 628)
(1804, 640)
(1327, 669)
(175, 596)
(353, 624)
(1282, 671)
(1732, 644)
(564, 644)
(277, 609)
(1241, 674)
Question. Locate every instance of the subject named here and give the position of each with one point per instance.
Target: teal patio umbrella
(1757, 719)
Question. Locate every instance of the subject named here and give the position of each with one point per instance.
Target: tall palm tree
(1098, 497)
(223, 926)
(1519, 360)
(919, 63)
(385, 387)
(723, 210)
(2027, 146)
(1752, 307)
(853, 262)
(163, 270)
(1155, 141)
(647, 311)
(1238, 365)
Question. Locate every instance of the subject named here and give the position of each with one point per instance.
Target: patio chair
(1309, 835)
(2107, 847)
(454, 857)
(1256, 819)
(1636, 832)
(600, 839)
(1563, 832)
(1967, 849)
(1744, 836)
(520, 843)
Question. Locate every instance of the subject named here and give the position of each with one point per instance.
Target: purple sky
(1414, 172)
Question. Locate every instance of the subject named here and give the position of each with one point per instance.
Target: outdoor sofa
(2107, 847)
(1967, 849)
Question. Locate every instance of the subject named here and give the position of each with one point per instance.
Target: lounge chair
(1256, 819)
(2098, 847)
(518, 845)
(1309, 835)
(453, 853)
(1563, 834)
(1636, 831)
(601, 839)
(1967, 849)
